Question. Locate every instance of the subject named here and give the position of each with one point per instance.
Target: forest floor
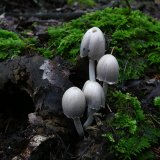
(32, 18)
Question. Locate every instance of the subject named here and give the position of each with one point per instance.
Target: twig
(112, 50)
(52, 15)
(109, 108)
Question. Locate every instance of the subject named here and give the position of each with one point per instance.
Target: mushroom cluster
(75, 100)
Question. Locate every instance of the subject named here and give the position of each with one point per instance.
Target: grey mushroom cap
(94, 94)
(73, 103)
(93, 44)
(108, 69)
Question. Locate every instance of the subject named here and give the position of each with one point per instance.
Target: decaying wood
(56, 15)
(44, 80)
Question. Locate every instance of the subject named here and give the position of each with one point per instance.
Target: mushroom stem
(92, 76)
(78, 126)
(105, 88)
(90, 118)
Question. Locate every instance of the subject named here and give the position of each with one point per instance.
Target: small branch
(109, 109)
(52, 15)
(112, 50)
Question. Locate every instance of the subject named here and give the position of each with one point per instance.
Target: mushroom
(73, 105)
(107, 71)
(93, 46)
(95, 99)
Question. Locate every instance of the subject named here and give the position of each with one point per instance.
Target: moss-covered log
(134, 35)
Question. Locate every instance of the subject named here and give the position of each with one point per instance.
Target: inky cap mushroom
(73, 104)
(93, 46)
(107, 70)
(94, 98)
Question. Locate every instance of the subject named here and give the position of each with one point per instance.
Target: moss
(135, 37)
(157, 101)
(67, 43)
(45, 52)
(130, 131)
(10, 44)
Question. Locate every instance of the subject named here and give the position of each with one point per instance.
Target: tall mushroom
(93, 46)
(73, 104)
(107, 70)
(94, 98)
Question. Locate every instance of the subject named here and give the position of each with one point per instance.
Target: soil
(18, 134)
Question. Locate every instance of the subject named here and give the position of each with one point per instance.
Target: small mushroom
(93, 46)
(107, 70)
(73, 104)
(95, 99)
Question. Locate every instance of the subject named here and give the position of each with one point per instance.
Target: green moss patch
(131, 132)
(135, 37)
(10, 44)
